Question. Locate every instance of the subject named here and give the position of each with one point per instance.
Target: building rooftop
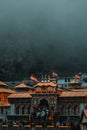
(45, 84)
(3, 84)
(6, 90)
(20, 95)
(74, 93)
(22, 85)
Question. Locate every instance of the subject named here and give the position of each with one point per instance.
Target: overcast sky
(56, 28)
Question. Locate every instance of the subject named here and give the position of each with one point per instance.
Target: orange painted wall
(3, 96)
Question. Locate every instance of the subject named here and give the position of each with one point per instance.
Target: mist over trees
(41, 36)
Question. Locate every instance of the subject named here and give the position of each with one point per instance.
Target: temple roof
(78, 93)
(23, 85)
(6, 90)
(46, 84)
(20, 95)
(3, 84)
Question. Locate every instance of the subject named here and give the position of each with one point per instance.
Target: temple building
(44, 98)
(27, 99)
(72, 103)
(4, 104)
(20, 102)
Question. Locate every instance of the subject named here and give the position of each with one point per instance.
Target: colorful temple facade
(44, 98)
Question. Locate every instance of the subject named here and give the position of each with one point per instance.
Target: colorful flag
(54, 75)
(77, 77)
(33, 78)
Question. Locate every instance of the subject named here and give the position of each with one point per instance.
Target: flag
(54, 75)
(33, 78)
(77, 77)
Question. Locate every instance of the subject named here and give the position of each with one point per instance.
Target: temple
(44, 101)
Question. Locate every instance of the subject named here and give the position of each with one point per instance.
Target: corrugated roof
(46, 84)
(20, 95)
(6, 90)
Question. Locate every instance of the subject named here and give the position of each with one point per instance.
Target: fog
(42, 36)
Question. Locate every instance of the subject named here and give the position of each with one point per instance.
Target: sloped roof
(74, 93)
(3, 84)
(74, 82)
(46, 84)
(20, 95)
(22, 85)
(85, 113)
(6, 90)
(84, 116)
(79, 90)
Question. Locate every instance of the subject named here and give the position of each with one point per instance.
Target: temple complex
(42, 101)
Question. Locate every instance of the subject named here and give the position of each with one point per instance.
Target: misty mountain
(40, 36)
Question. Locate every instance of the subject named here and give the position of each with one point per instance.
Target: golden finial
(45, 77)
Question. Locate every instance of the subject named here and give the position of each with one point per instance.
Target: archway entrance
(44, 103)
(42, 112)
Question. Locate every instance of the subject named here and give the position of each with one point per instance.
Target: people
(57, 124)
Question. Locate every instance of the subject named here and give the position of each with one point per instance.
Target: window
(76, 109)
(28, 109)
(63, 109)
(69, 110)
(17, 110)
(38, 89)
(23, 110)
(50, 89)
(2, 110)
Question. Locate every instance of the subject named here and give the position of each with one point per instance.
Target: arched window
(76, 110)
(69, 110)
(63, 109)
(2, 110)
(17, 110)
(66, 110)
(28, 110)
(23, 110)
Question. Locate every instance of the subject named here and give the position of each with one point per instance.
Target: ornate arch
(63, 109)
(42, 99)
(76, 109)
(69, 108)
(17, 109)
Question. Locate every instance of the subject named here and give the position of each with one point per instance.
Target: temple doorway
(44, 103)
